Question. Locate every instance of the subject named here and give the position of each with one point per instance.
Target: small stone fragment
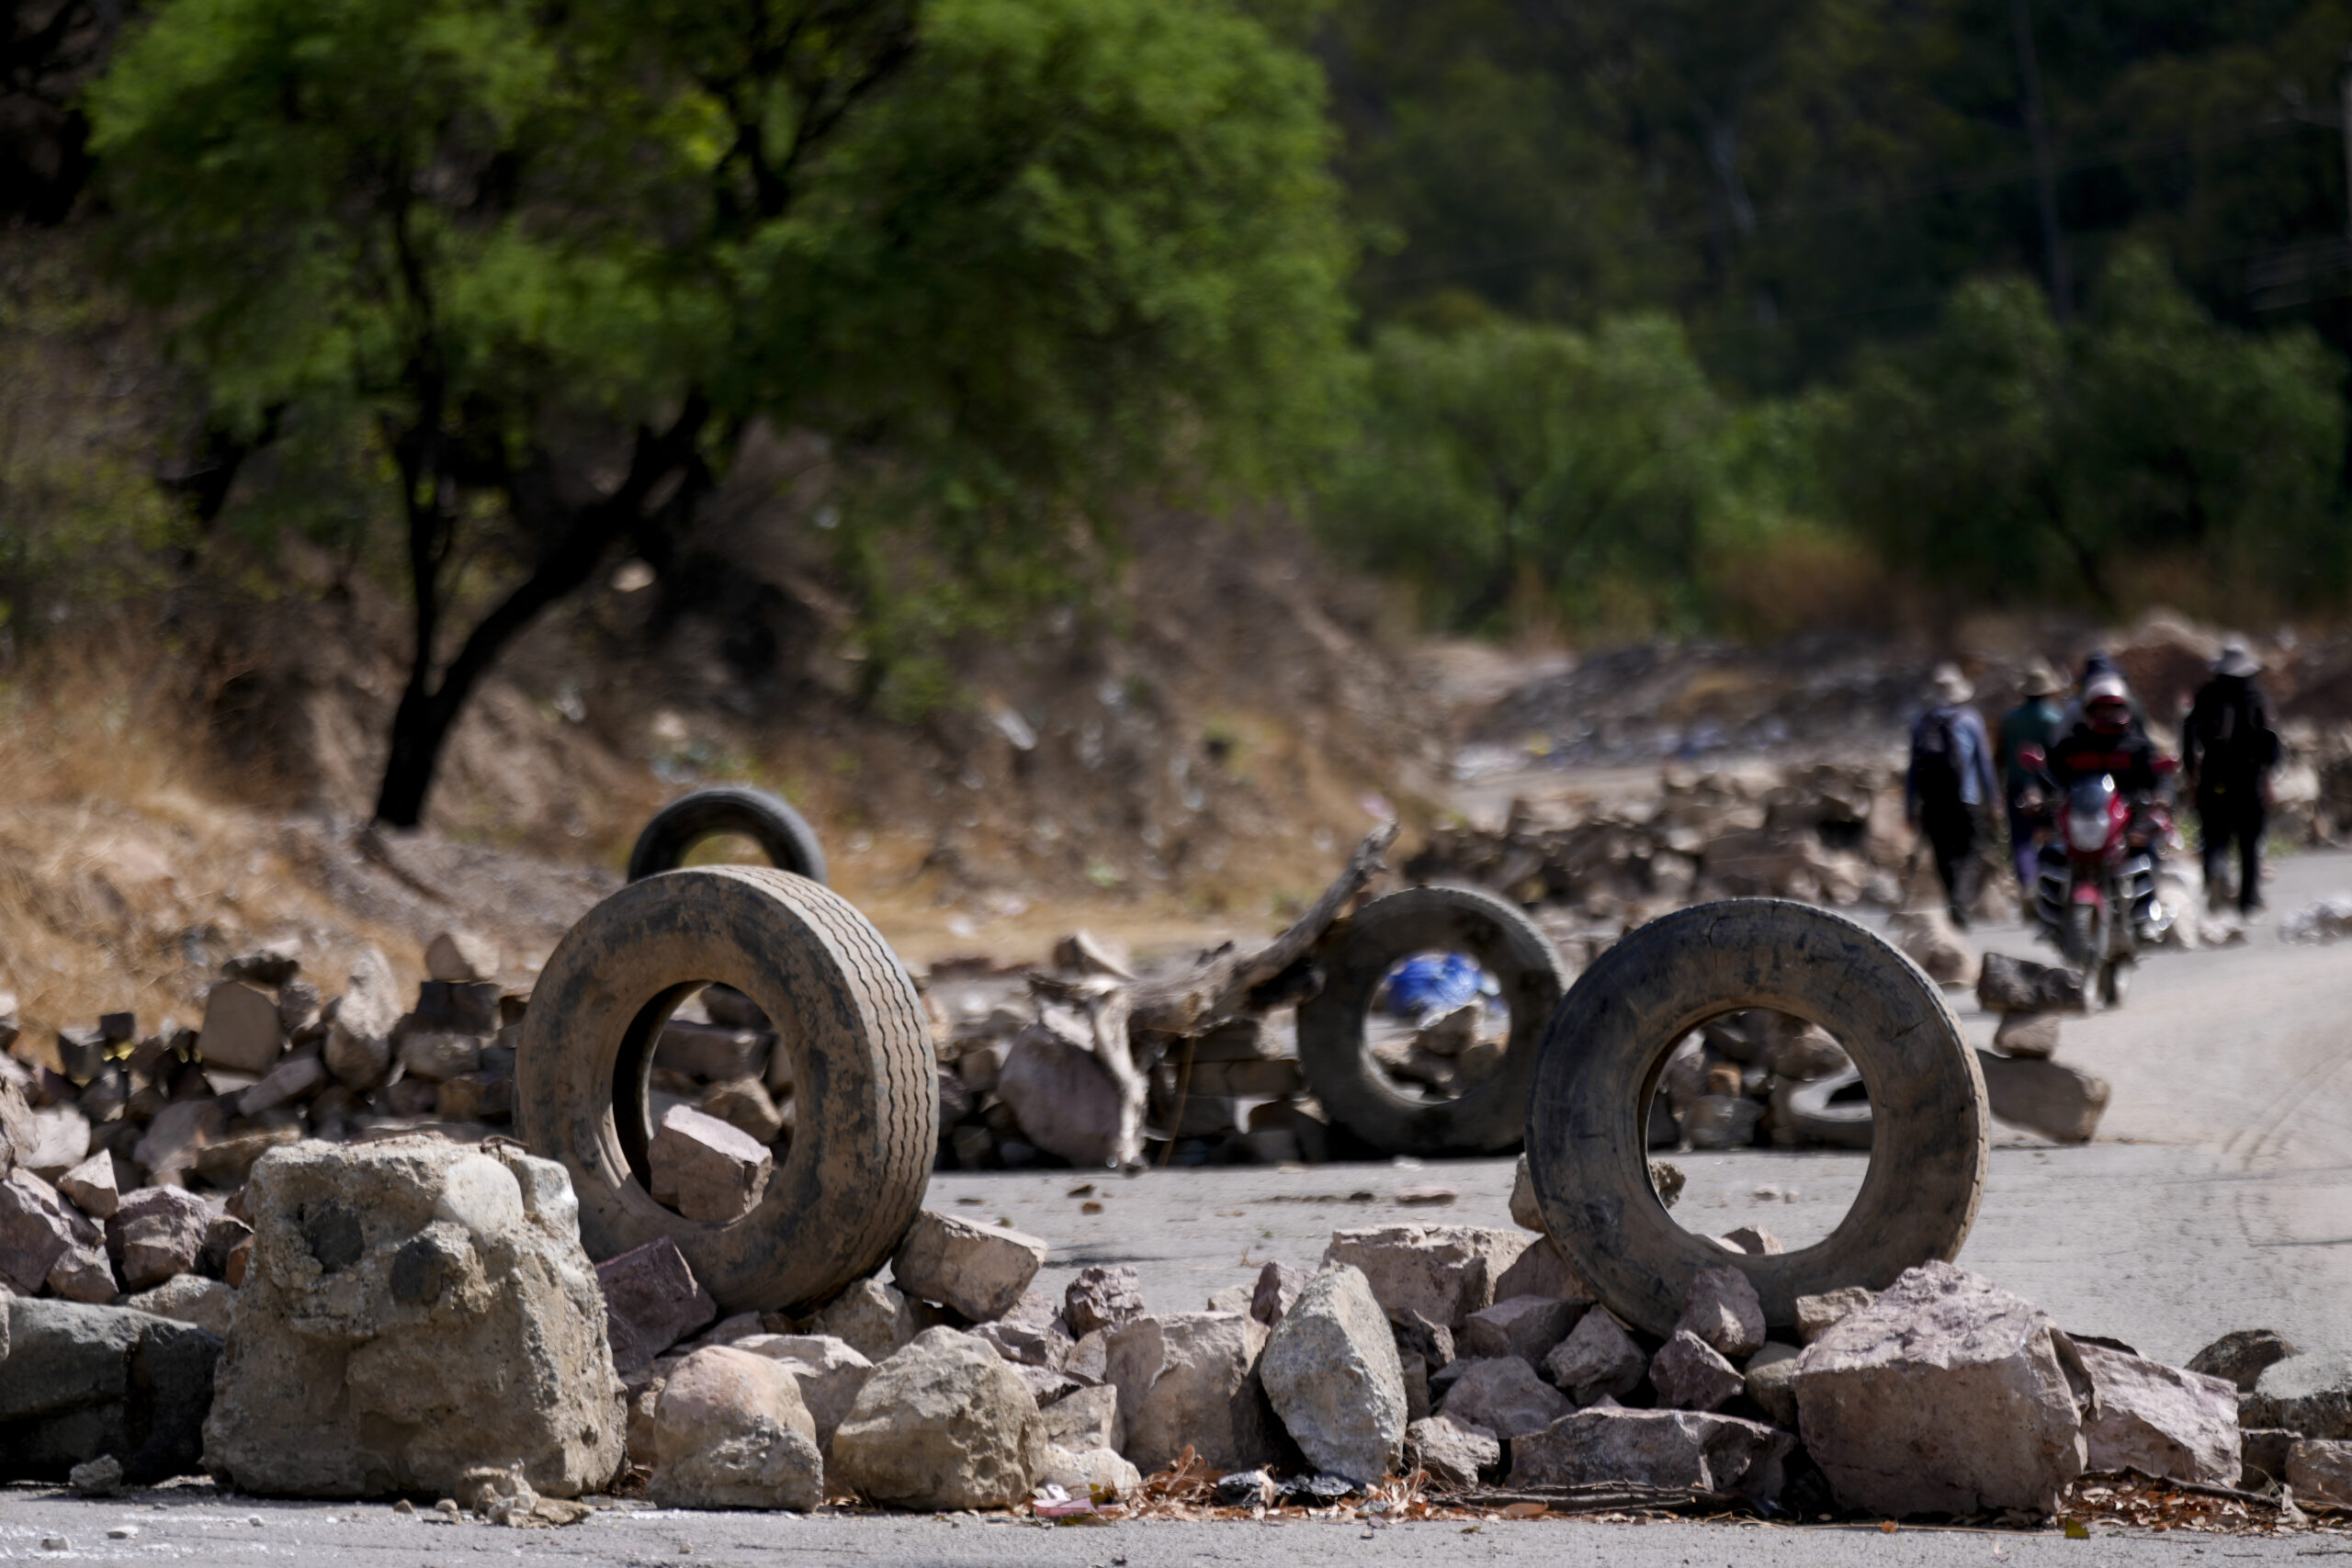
(1816, 1316)
(705, 1168)
(2319, 1470)
(460, 958)
(872, 1318)
(1542, 1271)
(1443, 1272)
(1525, 1326)
(979, 1271)
(2242, 1357)
(651, 1302)
(1455, 1452)
(1597, 1359)
(2161, 1420)
(1769, 1380)
(101, 1477)
(1504, 1396)
(1278, 1285)
(2032, 1034)
(1102, 1297)
(90, 1186)
(1724, 1310)
(241, 1030)
(157, 1231)
(1753, 1241)
(1690, 1375)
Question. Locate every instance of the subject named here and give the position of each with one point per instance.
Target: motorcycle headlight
(2087, 830)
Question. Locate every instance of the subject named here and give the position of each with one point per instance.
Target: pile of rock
(2024, 1086)
(1760, 1077)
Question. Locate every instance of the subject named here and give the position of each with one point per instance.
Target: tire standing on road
(1606, 1046)
(866, 1107)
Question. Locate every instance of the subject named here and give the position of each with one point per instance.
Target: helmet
(2107, 702)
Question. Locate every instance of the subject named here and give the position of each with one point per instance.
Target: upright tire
(1603, 1053)
(783, 835)
(866, 1107)
(1487, 1118)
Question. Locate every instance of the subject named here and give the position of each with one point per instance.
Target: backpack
(1935, 755)
(2236, 742)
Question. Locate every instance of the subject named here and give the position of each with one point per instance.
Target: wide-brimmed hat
(1949, 685)
(2040, 680)
(2237, 659)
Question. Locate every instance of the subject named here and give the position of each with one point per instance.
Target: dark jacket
(2228, 741)
(2084, 752)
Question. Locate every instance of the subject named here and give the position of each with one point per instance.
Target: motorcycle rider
(2035, 722)
(1950, 782)
(2227, 750)
(2106, 740)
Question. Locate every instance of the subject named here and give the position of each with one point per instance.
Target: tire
(783, 835)
(2081, 945)
(1607, 1044)
(866, 1126)
(1488, 1119)
(1820, 1119)
(2114, 982)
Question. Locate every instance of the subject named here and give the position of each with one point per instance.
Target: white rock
(190, 1298)
(1332, 1372)
(730, 1432)
(460, 958)
(706, 1169)
(1443, 1272)
(2161, 1420)
(1190, 1379)
(1452, 1451)
(980, 1271)
(943, 1424)
(1100, 1475)
(829, 1373)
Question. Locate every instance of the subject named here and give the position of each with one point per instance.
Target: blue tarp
(1435, 982)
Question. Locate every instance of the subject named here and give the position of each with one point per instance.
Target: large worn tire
(866, 1123)
(1340, 1072)
(781, 834)
(1600, 1061)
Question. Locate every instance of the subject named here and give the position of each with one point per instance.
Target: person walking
(2038, 721)
(1950, 782)
(2227, 750)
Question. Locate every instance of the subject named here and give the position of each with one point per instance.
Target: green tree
(1022, 254)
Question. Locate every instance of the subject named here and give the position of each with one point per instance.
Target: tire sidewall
(781, 833)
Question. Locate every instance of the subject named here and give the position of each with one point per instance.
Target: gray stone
(37, 1229)
(1769, 1379)
(1503, 1394)
(297, 1006)
(1331, 1372)
(413, 1309)
(2020, 984)
(1102, 1297)
(157, 1231)
(828, 1372)
(241, 1028)
(2160, 1420)
(1688, 1375)
(176, 1138)
(1278, 1285)
(294, 1078)
(61, 1140)
(1526, 1208)
(2262, 1456)
(1668, 1450)
(651, 1302)
(78, 1381)
(745, 1105)
(436, 1057)
(1724, 1310)
(2319, 1470)
(191, 1299)
(1443, 1272)
(1190, 1379)
(709, 1170)
(2242, 1357)
(1542, 1271)
(1064, 1098)
(359, 1049)
(872, 1318)
(943, 1424)
(1946, 1395)
(1816, 1316)
(2034, 1035)
(1025, 1344)
(1096, 1474)
(1751, 1241)
(2311, 1394)
(1454, 1452)
(979, 1271)
(1086, 1419)
(1525, 1326)
(2060, 1102)
(460, 958)
(1597, 1359)
(101, 1477)
(730, 1431)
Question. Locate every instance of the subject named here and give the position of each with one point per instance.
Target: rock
(1724, 1310)
(1190, 1379)
(1526, 1210)
(2160, 1420)
(460, 958)
(1721, 1122)
(979, 1271)
(271, 966)
(241, 1031)
(1064, 1099)
(2062, 1103)
(101, 1477)
(358, 1047)
(61, 1140)
(414, 1308)
(730, 1431)
(1669, 1450)
(36, 1229)
(745, 1105)
(501, 1495)
(710, 1053)
(705, 1168)
(191, 1299)
(1443, 1272)
(157, 1231)
(485, 1095)
(437, 1056)
(1330, 1370)
(1542, 1271)
(2262, 1456)
(1454, 1452)
(1025, 1344)
(294, 1078)
(226, 1161)
(1503, 1394)
(2020, 984)
(871, 1318)
(1278, 1285)
(1770, 1381)
(16, 1128)
(1751, 1241)
(2034, 1035)
(651, 1302)
(1808, 1053)
(1102, 1297)
(2319, 1470)
(1086, 1419)
(1099, 1475)
(2240, 1357)
(1597, 1359)
(1690, 1375)
(1816, 1316)
(1525, 1326)
(1946, 1395)
(943, 1424)
(297, 1006)
(2311, 1394)
(1928, 939)
(78, 1381)
(90, 1186)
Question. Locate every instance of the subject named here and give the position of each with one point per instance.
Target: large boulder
(651, 1300)
(79, 1381)
(730, 1431)
(2161, 1420)
(943, 1424)
(1443, 1272)
(2311, 1394)
(1190, 1379)
(980, 1271)
(1669, 1450)
(414, 1308)
(1331, 1369)
(1503, 1394)
(1946, 1395)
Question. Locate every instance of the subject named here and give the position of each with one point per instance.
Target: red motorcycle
(2094, 884)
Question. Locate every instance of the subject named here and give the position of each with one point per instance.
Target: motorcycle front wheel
(2081, 945)
(2114, 980)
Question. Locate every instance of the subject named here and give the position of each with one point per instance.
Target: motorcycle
(2095, 881)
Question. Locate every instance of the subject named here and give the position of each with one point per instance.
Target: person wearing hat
(1950, 782)
(2038, 721)
(2227, 750)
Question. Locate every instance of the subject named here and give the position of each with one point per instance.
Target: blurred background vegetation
(1568, 317)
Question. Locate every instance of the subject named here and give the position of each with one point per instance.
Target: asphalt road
(2218, 1196)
